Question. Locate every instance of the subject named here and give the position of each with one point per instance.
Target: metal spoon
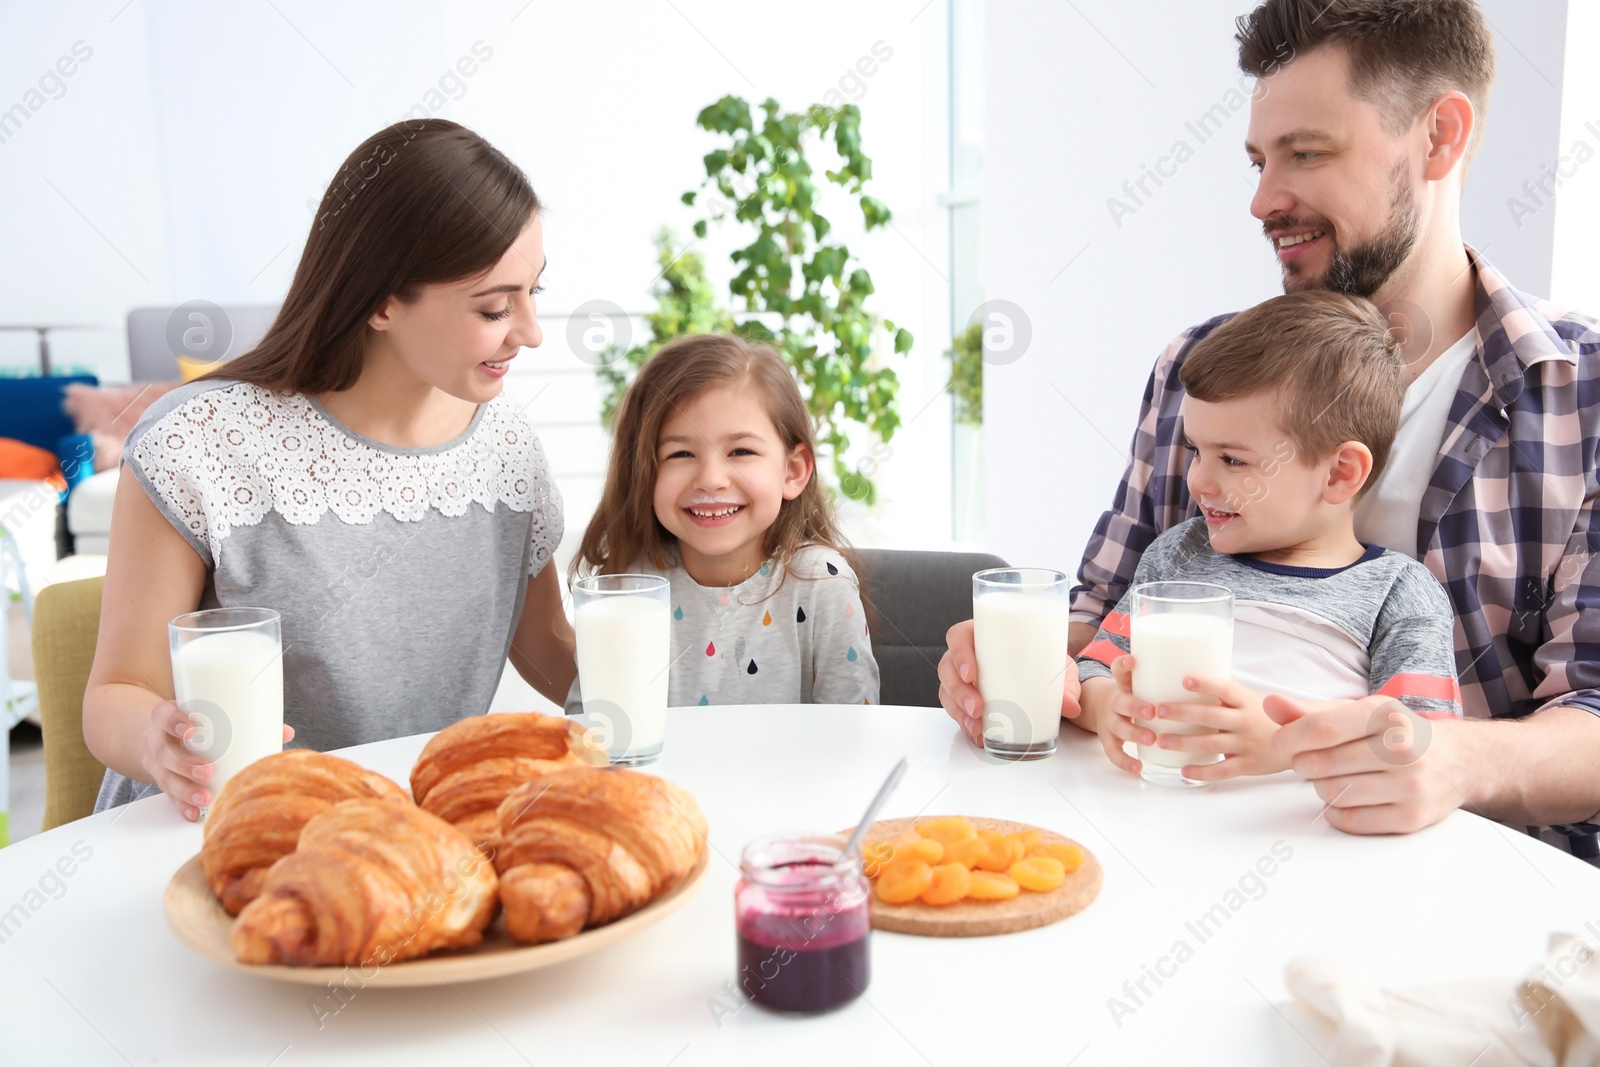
(884, 790)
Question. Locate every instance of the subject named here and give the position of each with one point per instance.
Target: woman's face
(460, 337)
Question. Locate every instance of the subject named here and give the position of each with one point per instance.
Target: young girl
(711, 483)
(358, 472)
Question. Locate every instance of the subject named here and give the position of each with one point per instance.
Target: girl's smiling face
(722, 475)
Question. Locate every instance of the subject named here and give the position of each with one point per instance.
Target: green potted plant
(966, 391)
(794, 288)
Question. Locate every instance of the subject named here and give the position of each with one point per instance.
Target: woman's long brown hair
(421, 202)
(624, 532)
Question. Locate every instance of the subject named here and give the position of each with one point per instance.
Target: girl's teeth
(496, 366)
(714, 514)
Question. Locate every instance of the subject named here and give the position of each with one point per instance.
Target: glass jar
(803, 917)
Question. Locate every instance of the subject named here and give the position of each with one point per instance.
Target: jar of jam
(803, 919)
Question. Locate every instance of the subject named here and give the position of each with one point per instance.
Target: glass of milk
(1178, 630)
(624, 632)
(1019, 616)
(227, 676)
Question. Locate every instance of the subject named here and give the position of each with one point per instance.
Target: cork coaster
(980, 918)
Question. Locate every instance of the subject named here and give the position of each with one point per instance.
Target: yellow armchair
(66, 623)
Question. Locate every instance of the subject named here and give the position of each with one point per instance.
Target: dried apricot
(947, 829)
(987, 885)
(878, 854)
(998, 856)
(1069, 855)
(1029, 839)
(904, 880)
(1040, 874)
(874, 856)
(967, 852)
(950, 883)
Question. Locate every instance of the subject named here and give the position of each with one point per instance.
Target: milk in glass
(1166, 649)
(1021, 643)
(230, 684)
(624, 656)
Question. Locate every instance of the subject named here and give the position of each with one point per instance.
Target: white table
(96, 977)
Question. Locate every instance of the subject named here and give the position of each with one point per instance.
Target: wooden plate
(979, 918)
(200, 923)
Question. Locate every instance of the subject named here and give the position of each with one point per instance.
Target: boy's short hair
(1330, 358)
(1404, 54)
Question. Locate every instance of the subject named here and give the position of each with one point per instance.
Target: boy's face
(1258, 496)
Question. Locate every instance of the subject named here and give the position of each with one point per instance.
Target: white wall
(1524, 122)
(1575, 279)
(1079, 99)
(1071, 116)
(187, 150)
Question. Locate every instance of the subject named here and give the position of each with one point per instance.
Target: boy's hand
(1244, 732)
(1118, 715)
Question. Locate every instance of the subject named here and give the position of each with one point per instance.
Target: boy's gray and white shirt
(399, 573)
(1380, 625)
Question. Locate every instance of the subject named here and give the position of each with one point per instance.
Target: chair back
(914, 597)
(66, 625)
(201, 333)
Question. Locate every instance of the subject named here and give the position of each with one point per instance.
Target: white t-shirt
(1388, 514)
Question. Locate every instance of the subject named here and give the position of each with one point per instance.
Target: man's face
(1338, 193)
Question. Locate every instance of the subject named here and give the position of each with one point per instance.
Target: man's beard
(1368, 267)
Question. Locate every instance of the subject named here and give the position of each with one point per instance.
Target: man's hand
(958, 683)
(1243, 732)
(1379, 767)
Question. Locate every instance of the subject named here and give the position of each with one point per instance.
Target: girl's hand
(1122, 716)
(1244, 732)
(180, 774)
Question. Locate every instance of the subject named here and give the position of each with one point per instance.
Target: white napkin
(1551, 1019)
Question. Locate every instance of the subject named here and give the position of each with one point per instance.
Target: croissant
(470, 766)
(585, 846)
(371, 883)
(258, 815)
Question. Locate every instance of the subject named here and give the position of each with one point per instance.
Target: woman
(358, 472)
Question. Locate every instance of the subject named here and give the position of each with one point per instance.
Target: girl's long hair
(624, 531)
(421, 202)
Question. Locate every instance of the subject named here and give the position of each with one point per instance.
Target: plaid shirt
(1508, 523)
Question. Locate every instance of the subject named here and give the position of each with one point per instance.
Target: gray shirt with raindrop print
(795, 635)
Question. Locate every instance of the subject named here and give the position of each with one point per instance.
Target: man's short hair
(1329, 358)
(1404, 54)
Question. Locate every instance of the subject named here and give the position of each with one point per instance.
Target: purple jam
(807, 954)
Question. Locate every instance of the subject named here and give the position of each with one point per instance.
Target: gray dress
(399, 573)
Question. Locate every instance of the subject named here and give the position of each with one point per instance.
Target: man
(1365, 117)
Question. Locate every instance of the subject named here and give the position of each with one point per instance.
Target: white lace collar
(228, 456)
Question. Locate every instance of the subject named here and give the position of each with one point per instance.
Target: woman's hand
(1243, 732)
(180, 774)
(167, 763)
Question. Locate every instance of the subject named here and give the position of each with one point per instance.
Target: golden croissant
(585, 846)
(470, 766)
(371, 882)
(258, 815)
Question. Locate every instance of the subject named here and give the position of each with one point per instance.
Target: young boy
(1283, 447)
